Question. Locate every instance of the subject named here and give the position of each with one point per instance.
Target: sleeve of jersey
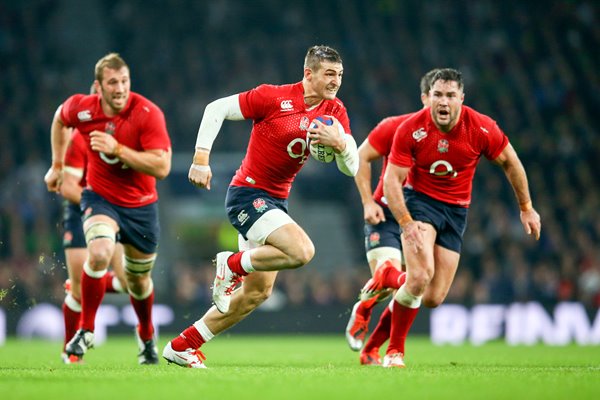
(155, 135)
(496, 142)
(381, 137)
(68, 112)
(401, 153)
(254, 103)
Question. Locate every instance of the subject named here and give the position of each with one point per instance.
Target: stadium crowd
(536, 76)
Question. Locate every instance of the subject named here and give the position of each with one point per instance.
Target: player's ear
(307, 73)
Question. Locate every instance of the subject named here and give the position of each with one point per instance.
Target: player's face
(115, 88)
(445, 100)
(326, 81)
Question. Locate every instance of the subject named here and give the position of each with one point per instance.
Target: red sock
(71, 319)
(143, 310)
(235, 263)
(92, 293)
(381, 333)
(402, 319)
(393, 278)
(189, 338)
(108, 282)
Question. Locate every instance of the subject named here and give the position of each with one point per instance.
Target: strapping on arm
(214, 115)
(348, 161)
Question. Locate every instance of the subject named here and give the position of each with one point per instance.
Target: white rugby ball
(319, 151)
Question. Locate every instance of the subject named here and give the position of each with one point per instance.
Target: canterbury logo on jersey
(286, 105)
(419, 134)
(84, 115)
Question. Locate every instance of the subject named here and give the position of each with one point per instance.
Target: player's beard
(448, 120)
(117, 105)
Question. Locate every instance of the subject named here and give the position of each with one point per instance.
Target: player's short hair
(427, 80)
(448, 74)
(317, 54)
(111, 61)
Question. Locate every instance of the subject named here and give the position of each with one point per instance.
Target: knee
(99, 257)
(302, 254)
(418, 281)
(431, 303)
(433, 300)
(138, 284)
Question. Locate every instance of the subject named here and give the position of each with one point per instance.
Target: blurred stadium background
(532, 66)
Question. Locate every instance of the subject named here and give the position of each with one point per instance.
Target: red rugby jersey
(381, 138)
(140, 125)
(278, 149)
(442, 165)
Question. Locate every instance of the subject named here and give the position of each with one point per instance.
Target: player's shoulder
(142, 104)
(477, 119)
(395, 119)
(82, 100)
(281, 97)
(270, 89)
(418, 119)
(79, 108)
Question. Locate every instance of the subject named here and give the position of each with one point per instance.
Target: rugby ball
(319, 151)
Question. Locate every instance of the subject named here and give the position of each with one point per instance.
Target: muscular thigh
(289, 237)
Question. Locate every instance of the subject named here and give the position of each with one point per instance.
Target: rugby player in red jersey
(73, 182)
(382, 237)
(269, 239)
(128, 149)
(428, 185)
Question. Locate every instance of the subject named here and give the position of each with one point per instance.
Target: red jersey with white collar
(442, 165)
(76, 155)
(140, 126)
(278, 148)
(381, 138)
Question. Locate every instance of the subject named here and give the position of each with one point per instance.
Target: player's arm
(515, 172)
(392, 188)
(373, 213)
(59, 138)
(212, 120)
(70, 188)
(153, 162)
(347, 159)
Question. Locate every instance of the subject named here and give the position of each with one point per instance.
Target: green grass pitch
(301, 367)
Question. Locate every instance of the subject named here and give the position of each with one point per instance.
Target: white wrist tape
(201, 168)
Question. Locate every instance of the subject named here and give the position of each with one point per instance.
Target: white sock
(72, 303)
(203, 330)
(93, 274)
(247, 262)
(406, 299)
